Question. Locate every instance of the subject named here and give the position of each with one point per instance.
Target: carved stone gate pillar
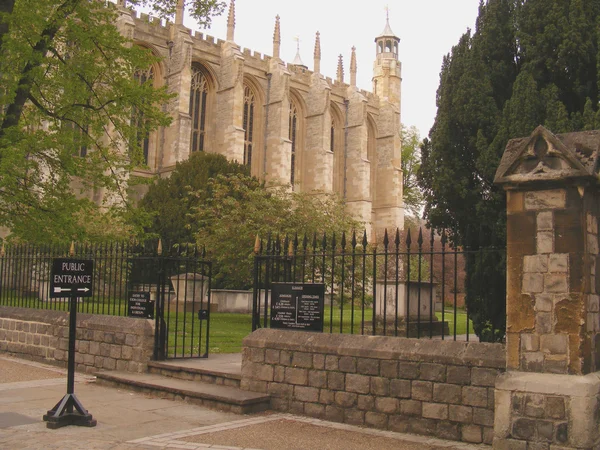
(549, 398)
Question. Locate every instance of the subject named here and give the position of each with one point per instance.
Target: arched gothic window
(198, 103)
(249, 103)
(137, 117)
(293, 136)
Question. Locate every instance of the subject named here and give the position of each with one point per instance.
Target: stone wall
(431, 387)
(103, 342)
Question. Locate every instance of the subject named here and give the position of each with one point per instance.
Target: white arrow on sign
(59, 290)
(83, 290)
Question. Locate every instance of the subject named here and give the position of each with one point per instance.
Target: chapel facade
(291, 125)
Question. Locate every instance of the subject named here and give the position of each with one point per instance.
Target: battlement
(149, 19)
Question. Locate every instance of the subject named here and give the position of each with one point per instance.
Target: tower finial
(297, 60)
(387, 13)
(317, 56)
(276, 38)
(353, 67)
(340, 69)
(179, 12)
(231, 22)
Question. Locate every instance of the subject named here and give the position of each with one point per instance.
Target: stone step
(210, 376)
(221, 398)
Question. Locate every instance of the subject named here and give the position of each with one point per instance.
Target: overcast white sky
(427, 28)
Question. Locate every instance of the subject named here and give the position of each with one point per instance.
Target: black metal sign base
(63, 414)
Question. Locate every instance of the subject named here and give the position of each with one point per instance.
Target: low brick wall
(431, 387)
(103, 342)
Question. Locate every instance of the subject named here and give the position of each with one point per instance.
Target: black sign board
(71, 278)
(140, 305)
(297, 306)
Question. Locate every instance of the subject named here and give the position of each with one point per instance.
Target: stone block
(358, 383)
(411, 407)
(314, 410)
(401, 388)
(408, 370)
(545, 430)
(336, 381)
(530, 342)
(278, 374)
(543, 303)
(545, 221)
(386, 405)
(546, 199)
(380, 386)
(535, 263)
(472, 433)
(545, 242)
(433, 372)
(376, 420)
(437, 411)
(326, 397)
(555, 407)
(346, 399)
(510, 444)
(347, 364)
(367, 366)
(296, 408)
(594, 303)
(306, 394)
(389, 369)
(285, 358)
(398, 423)
(280, 390)
(483, 416)
(296, 376)
(459, 413)
(332, 362)
(458, 375)
(556, 344)
(474, 396)
(422, 390)
(255, 386)
(422, 426)
(556, 283)
(558, 263)
(533, 283)
(354, 417)
(271, 356)
(115, 351)
(447, 393)
(334, 414)
(317, 378)
(303, 360)
(524, 429)
(543, 323)
(319, 362)
(532, 361)
(484, 377)
(366, 402)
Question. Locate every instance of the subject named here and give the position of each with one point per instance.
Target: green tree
(411, 162)
(68, 88)
(237, 208)
(170, 200)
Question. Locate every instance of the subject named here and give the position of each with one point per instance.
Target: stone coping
(97, 321)
(382, 347)
(550, 384)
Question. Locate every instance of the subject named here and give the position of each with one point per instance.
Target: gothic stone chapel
(292, 126)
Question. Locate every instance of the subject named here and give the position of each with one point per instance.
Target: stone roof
(387, 32)
(544, 156)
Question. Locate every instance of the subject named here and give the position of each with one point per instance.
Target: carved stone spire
(317, 57)
(179, 12)
(340, 69)
(231, 21)
(276, 38)
(298, 60)
(353, 68)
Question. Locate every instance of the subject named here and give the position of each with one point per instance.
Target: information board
(297, 306)
(71, 278)
(140, 305)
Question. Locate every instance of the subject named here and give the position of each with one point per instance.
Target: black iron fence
(175, 280)
(410, 284)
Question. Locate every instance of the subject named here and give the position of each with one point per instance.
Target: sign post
(70, 278)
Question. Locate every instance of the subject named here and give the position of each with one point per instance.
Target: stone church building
(291, 125)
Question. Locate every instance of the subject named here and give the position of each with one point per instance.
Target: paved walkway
(129, 420)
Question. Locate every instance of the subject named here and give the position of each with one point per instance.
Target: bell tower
(387, 70)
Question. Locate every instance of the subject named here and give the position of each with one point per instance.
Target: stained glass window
(198, 102)
(249, 103)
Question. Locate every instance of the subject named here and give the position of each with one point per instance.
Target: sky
(427, 30)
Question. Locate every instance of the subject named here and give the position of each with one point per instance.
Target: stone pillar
(277, 160)
(317, 170)
(358, 199)
(388, 207)
(550, 395)
(179, 78)
(230, 104)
